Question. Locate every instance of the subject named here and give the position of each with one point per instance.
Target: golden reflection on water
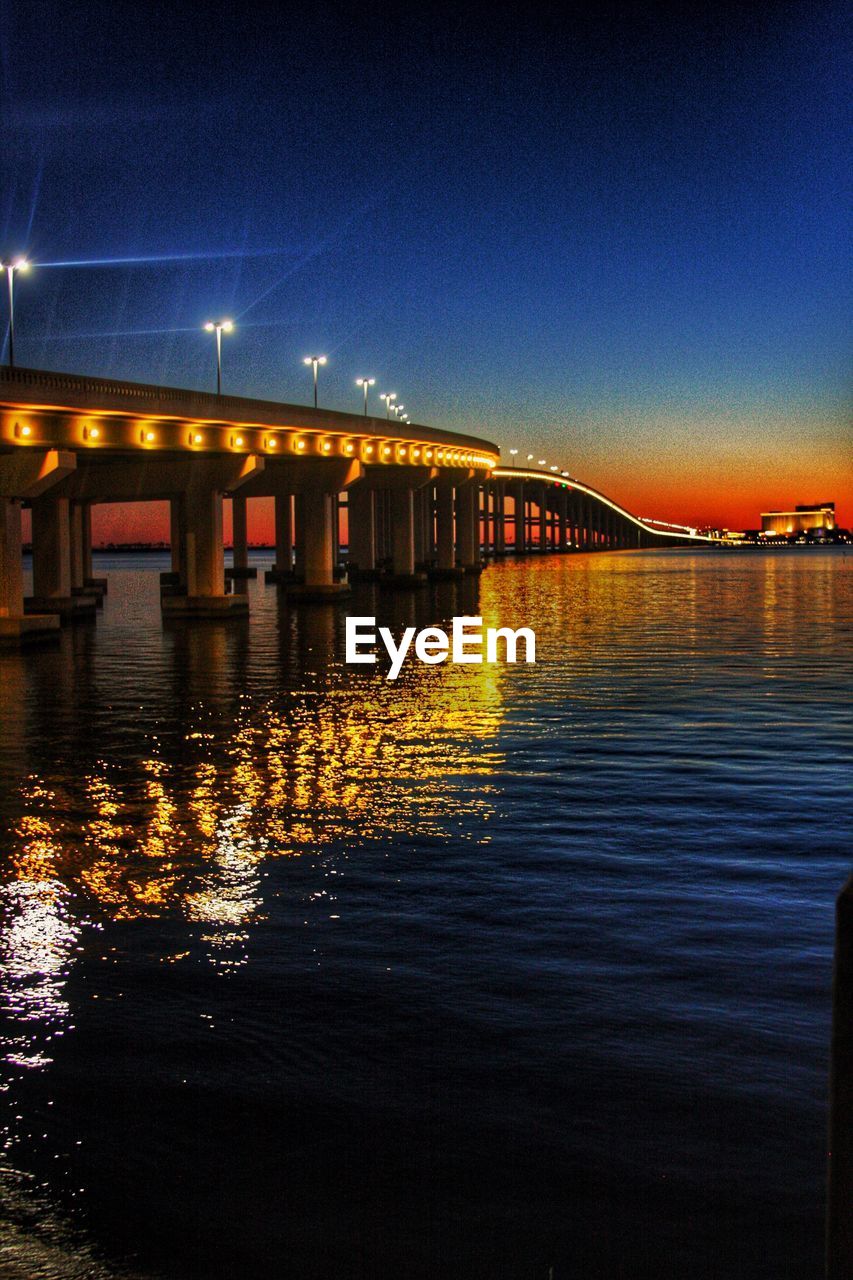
(38, 931)
(364, 759)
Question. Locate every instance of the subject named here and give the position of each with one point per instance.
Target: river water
(482, 972)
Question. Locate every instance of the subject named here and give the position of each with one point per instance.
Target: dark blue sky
(616, 240)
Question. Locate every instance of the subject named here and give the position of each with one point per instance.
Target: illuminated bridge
(414, 502)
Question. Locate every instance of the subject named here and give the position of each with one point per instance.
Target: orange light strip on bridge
(108, 430)
(560, 482)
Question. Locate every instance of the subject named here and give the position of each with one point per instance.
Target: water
(305, 973)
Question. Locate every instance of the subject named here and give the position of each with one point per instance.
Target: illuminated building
(803, 519)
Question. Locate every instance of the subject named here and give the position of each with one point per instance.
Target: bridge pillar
(14, 626)
(92, 585)
(362, 532)
(419, 529)
(521, 521)
(563, 519)
(543, 518)
(80, 540)
(467, 527)
(336, 532)
(403, 572)
(500, 526)
(52, 565)
(11, 564)
(197, 521)
(240, 539)
(427, 497)
(315, 547)
(282, 570)
(446, 566)
(175, 535)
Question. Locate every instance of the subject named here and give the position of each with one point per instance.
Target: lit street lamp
(389, 397)
(513, 453)
(541, 462)
(365, 382)
(315, 362)
(219, 327)
(530, 457)
(20, 264)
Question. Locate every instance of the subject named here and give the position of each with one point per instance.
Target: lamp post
(365, 383)
(315, 362)
(219, 327)
(19, 264)
(530, 457)
(513, 453)
(389, 397)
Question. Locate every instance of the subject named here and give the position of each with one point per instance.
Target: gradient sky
(615, 240)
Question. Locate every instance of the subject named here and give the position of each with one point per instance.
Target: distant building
(803, 519)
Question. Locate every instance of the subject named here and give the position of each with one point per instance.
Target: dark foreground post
(839, 1219)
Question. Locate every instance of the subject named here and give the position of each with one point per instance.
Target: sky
(616, 240)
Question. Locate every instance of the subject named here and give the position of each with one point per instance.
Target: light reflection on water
(572, 872)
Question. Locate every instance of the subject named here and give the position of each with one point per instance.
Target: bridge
(417, 503)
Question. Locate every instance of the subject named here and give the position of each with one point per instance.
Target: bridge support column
(543, 519)
(198, 523)
(80, 545)
(427, 525)
(14, 626)
(585, 521)
(403, 540)
(52, 565)
(446, 566)
(336, 534)
(240, 539)
(91, 585)
(520, 522)
(468, 527)
(315, 548)
(282, 570)
(362, 533)
(563, 518)
(176, 535)
(419, 516)
(500, 519)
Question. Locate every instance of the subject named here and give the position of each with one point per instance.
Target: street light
(219, 327)
(389, 397)
(555, 468)
(541, 462)
(512, 454)
(19, 264)
(315, 362)
(530, 457)
(365, 382)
